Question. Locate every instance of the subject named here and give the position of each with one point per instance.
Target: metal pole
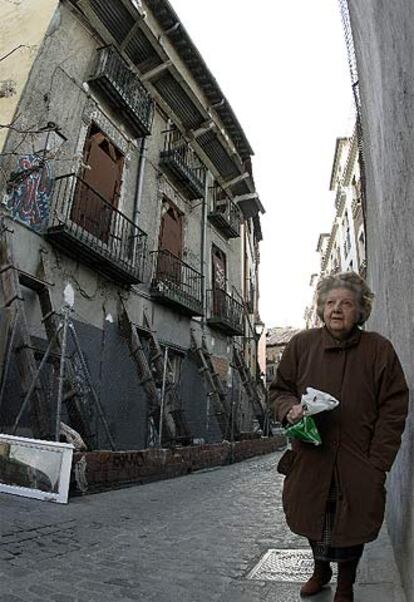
(232, 398)
(233, 409)
(137, 256)
(164, 376)
(32, 386)
(139, 183)
(208, 415)
(61, 372)
(91, 387)
(203, 251)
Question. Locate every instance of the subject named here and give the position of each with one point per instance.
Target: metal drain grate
(285, 565)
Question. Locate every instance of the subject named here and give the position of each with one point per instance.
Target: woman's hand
(295, 413)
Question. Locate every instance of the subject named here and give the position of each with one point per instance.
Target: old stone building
(380, 44)
(343, 249)
(346, 247)
(126, 175)
(276, 340)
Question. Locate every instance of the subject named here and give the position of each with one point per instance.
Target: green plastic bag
(305, 429)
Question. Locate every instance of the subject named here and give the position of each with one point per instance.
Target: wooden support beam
(236, 180)
(25, 360)
(153, 73)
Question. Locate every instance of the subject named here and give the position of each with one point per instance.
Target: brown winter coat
(360, 437)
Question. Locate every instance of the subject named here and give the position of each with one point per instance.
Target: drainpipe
(142, 251)
(203, 253)
(139, 183)
(203, 284)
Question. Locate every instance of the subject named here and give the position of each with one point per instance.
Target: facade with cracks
(126, 175)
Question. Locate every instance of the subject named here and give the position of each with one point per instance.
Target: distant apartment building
(276, 340)
(311, 317)
(343, 248)
(126, 174)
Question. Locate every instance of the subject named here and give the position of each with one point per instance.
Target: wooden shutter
(99, 189)
(171, 231)
(170, 240)
(219, 281)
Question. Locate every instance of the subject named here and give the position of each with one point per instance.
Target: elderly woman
(334, 494)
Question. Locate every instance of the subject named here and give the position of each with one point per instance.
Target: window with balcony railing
(224, 213)
(87, 227)
(182, 164)
(224, 312)
(123, 89)
(176, 283)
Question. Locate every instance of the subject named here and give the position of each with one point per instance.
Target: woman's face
(340, 312)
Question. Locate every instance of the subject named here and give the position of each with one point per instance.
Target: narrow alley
(197, 538)
(206, 210)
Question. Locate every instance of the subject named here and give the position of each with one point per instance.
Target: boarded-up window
(98, 189)
(171, 229)
(219, 280)
(219, 275)
(170, 242)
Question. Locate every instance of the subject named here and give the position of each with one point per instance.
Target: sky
(282, 66)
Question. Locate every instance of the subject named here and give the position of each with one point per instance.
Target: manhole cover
(284, 565)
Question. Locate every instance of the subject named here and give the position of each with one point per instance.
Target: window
(361, 246)
(219, 280)
(99, 184)
(171, 229)
(219, 268)
(170, 243)
(347, 234)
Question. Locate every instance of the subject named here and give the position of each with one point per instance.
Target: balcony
(177, 284)
(225, 313)
(356, 207)
(123, 90)
(182, 165)
(363, 268)
(225, 215)
(88, 228)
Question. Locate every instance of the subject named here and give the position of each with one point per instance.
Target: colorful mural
(30, 190)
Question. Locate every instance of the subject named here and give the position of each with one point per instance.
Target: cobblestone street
(190, 539)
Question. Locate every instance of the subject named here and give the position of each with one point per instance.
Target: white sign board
(35, 468)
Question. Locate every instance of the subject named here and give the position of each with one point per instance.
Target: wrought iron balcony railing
(225, 215)
(176, 283)
(181, 163)
(123, 90)
(363, 268)
(356, 206)
(85, 226)
(224, 312)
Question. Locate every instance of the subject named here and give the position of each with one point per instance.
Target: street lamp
(259, 328)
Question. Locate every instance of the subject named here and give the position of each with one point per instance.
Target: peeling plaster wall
(24, 24)
(384, 39)
(56, 91)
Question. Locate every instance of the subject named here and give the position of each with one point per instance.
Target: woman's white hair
(353, 282)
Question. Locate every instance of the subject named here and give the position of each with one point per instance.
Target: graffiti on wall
(29, 193)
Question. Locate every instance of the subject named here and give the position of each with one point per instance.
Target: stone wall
(384, 42)
(99, 471)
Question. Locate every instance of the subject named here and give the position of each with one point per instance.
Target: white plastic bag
(315, 401)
